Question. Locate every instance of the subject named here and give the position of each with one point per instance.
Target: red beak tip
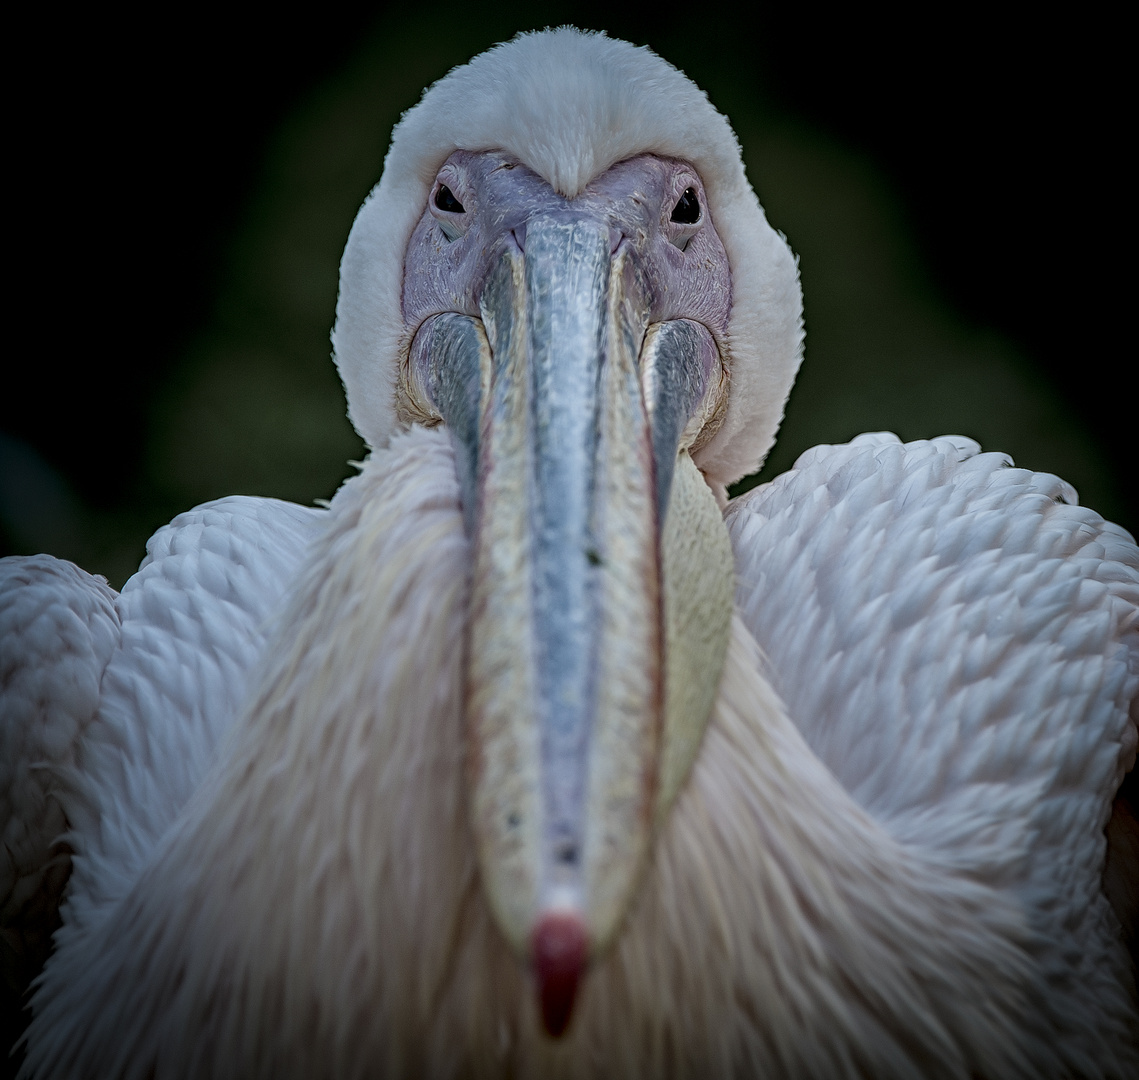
(559, 951)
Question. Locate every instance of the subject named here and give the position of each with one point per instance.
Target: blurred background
(184, 186)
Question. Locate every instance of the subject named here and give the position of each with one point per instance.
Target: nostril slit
(519, 234)
(615, 238)
(566, 852)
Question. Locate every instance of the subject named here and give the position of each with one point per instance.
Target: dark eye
(687, 209)
(446, 201)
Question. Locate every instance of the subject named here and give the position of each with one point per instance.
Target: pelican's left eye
(687, 209)
(445, 200)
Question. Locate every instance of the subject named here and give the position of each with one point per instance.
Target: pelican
(532, 755)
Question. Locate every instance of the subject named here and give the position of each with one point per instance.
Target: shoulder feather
(958, 641)
(58, 629)
(195, 619)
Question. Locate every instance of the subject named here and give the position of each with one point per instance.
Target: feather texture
(195, 618)
(113, 705)
(314, 909)
(959, 643)
(59, 627)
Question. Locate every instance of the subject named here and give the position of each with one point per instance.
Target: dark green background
(950, 181)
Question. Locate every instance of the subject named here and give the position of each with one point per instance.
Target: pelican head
(543, 257)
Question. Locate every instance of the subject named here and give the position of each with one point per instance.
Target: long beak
(566, 452)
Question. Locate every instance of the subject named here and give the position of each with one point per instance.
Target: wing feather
(114, 706)
(958, 640)
(195, 619)
(58, 629)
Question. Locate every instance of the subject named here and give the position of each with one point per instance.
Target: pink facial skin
(452, 251)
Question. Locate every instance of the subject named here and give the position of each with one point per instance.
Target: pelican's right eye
(687, 209)
(445, 200)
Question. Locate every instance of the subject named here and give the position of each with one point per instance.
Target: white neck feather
(318, 911)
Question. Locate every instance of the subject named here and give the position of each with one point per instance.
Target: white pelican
(531, 756)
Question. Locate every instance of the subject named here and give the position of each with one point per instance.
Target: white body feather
(113, 704)
(959, 644)
(896, 874)
(58, 629)
(195, 620)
